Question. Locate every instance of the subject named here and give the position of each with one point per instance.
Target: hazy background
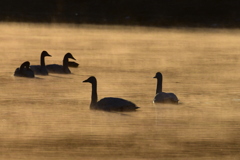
(195, 44)
(48, 117)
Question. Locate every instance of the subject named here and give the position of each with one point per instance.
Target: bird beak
(85, 80)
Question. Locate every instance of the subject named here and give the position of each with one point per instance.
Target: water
(48, 117)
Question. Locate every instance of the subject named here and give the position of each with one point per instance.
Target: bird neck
(94, 97)
(65, 62)
(22, 68)
(159, 85)
(65, 65)
(42, 60)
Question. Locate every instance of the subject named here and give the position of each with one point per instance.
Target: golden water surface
(48, 117)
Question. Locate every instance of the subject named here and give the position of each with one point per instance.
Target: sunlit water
(48, 117)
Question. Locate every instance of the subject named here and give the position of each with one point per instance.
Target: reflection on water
(49, 118)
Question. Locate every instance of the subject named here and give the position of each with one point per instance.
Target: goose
(162, 97)
(41, 69)
(55, 68)
(24, 71)
(108, 103)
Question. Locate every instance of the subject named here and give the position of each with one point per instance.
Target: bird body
(108, 103)
(115, 104)
(63, 69)
(24, 71)
(73, 64)
(163, 97)
(56, 68)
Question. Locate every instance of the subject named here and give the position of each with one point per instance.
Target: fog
(48, 117)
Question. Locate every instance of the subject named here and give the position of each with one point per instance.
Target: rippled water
(48, 117)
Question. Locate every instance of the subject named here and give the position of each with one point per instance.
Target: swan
(24, 71)
(55, 68)
(162, 97)
(108, 103)
(41, 69)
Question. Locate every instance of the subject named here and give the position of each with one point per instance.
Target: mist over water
(48, 117)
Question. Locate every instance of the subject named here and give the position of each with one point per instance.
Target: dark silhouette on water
(108, 103)
(56, 68)
(73, 64)
(24, 71)
(162, 97)
(41, 69)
